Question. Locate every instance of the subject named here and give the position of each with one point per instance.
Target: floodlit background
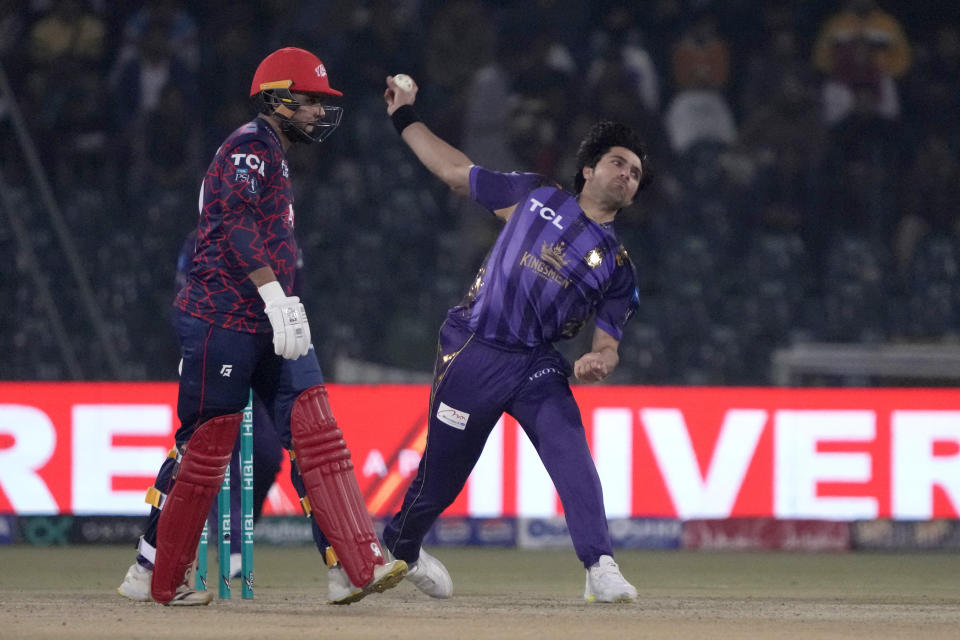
(807, 191)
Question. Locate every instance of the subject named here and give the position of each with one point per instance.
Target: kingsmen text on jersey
(549, 270)
(246, 222)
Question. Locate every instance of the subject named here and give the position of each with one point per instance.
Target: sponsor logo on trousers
(544, 372)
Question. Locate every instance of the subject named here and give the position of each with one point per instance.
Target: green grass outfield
(69, 592)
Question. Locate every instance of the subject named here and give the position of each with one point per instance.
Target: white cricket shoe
(605, 583)
(136, 586)
(385, 576)
(339, 588)
(430, 576)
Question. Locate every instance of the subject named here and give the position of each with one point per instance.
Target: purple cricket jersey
(246, 222)
(550, 269)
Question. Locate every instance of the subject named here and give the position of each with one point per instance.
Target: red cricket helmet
(290, 70)
(293, 69)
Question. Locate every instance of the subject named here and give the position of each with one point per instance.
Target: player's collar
(273, 134)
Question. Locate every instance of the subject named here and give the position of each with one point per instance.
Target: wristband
(404, 117)
(270, 292)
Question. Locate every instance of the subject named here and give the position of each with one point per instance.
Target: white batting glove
(288, 319)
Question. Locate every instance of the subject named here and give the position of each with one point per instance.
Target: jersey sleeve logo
(243, 175)
(250, 161)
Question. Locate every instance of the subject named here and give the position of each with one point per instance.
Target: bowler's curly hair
(602, 136)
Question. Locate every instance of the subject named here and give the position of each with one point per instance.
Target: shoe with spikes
(385, 576)
(605, 583)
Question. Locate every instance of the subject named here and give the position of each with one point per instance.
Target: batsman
(240, 328)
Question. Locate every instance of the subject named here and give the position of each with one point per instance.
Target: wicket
(223, 519)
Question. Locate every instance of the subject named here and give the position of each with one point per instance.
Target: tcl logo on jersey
(546, 213)
(252, 161)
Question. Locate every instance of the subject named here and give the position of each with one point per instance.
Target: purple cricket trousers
(476, 381)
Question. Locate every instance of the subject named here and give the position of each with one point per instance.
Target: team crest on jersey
(594, 257)
(554, 254)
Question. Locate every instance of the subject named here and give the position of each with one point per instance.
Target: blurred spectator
(488, 109)
(567, 23)
(228, 58)
(166, 150)
(305, 23)
(136, 97)
(459, 41)
(701, 56)
(699, 116)
(862, 175)
(387, 36)
(778, 58)
(547, 92)
(619, 57)
(786, 141)
(142, 80)
(179, 31)
(932, 201)
(65, 87)
(68, 33)
(662, 22)
(861, 49)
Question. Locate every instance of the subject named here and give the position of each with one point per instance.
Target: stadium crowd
(806, 157)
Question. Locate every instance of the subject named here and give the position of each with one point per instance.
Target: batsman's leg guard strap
(154, 498)
(334, 496)
(202, 467)
(330, 557)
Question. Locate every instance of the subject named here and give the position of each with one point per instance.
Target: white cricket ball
(403, 81)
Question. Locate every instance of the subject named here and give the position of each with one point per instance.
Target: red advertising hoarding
(688, 453)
